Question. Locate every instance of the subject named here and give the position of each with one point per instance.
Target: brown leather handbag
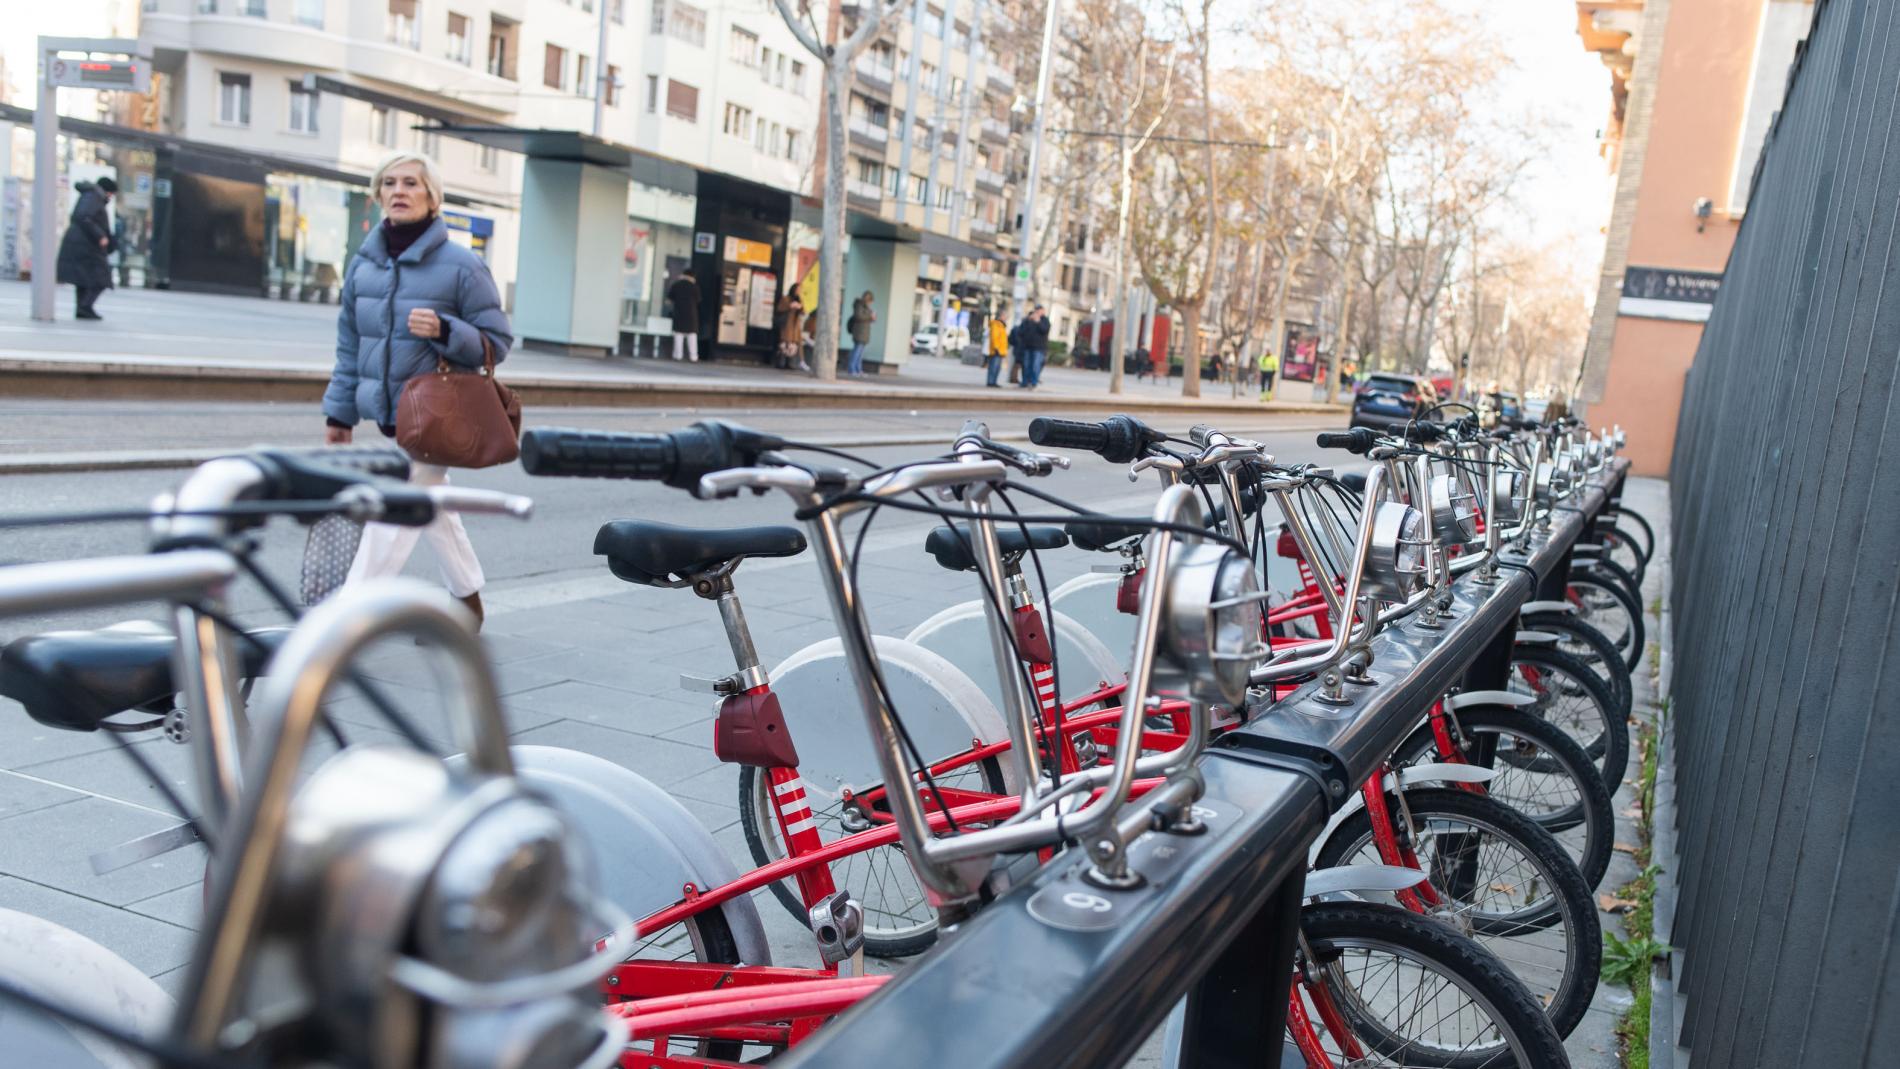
(460, 419)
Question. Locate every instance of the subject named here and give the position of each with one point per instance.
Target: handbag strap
(488, 356)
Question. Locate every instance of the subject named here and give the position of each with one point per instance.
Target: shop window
(303, 109)
(554, 67)
(459, 50)
(401, 26)
(682, 100)
(742, 46)
(503, 37)
(310, 13)
(234, 98)
(738, 122)
(613, 86)
(584, 76)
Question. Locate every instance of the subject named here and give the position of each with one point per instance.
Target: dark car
(1383, 398)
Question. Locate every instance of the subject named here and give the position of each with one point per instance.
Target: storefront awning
(859, 224)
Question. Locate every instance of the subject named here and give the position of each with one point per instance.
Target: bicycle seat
(1097, 537)
(74, 679)
(651, 554)
(952, 548)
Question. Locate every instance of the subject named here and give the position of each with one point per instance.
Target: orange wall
(1701, 90)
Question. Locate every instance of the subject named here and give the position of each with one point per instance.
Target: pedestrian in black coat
(684, 293)
(85, 250)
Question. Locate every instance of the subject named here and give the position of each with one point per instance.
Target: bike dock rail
(1061, 972)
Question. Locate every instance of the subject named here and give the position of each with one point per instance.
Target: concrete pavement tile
(28, 742)
(664, 762)
(427, 673)
(19, 794)
(53, 847)
(634, 669)
(114, 775)
(151, 946)
(717, 818)
(717, 784)
(620, 709)
(184, 907)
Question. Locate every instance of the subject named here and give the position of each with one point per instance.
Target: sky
(26, 21)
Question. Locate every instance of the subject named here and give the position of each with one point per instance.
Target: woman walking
(411, 297)
(85, 252)
(862, 316)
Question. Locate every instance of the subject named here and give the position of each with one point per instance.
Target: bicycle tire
(1567, 905)
(1594, 648)
(712, 943)
(1616, 538)
(1624, 512)
(880, 940)
(1617, 572)
(1526, 1036)
(1633, 635)
(1546, 751)
(1602, 729)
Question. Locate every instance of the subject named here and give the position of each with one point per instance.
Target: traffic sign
(68, 72)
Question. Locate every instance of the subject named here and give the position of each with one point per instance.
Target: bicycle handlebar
(1117, 439)
(679, 459)
(1359, 440)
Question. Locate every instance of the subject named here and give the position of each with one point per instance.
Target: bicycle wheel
(1415, 992)
(1541, 772)
(1499, 878)
(1593, 648)
(898, 918)
(1566, 693)
(1603, 604)
(1620, 575)
(705, 937)
(1640, 529)
(1621, 549)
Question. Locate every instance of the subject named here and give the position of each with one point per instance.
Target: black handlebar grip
(1418, 430)
(1359, 440)
(384, 460)
(1068, 434)
(598, 454)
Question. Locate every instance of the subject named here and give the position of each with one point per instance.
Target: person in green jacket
(1269, 367)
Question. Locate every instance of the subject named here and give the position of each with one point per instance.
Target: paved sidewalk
(280, 345)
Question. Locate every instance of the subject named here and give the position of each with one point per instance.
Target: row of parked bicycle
(486, 905)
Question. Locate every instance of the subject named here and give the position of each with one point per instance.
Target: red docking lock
(750, 730)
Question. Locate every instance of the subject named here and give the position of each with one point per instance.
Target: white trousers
(386, 547)
(686, 343)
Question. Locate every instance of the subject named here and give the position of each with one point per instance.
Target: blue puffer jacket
(376, 354)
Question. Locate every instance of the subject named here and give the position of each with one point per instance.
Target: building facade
(1695, 86)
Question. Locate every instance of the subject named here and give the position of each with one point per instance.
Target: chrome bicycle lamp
(1454, 510)
(1395, 563)
(1211, 624)
(1506, 483)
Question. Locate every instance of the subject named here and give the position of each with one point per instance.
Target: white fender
(943, 709)
(1536, 638)
(68, 969)
(1413, 775)
(645, 845)
(1469, 698)
(1530, 608)
(960, 635)
(1090, 600)
(1341, 879)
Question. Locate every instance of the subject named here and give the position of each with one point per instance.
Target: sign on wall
(1666, 293)
(750, 253)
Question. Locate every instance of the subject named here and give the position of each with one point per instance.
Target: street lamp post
(1020, 291)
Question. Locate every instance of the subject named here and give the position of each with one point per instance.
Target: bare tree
(835, 59)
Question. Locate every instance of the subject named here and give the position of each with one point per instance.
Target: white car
(931, 339)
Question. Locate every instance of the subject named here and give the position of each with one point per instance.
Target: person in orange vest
(996, 347)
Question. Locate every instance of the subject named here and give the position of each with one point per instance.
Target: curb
(123, 379)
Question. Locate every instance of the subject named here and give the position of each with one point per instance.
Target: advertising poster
(764, 297)
(732, 305)
(1298, 359)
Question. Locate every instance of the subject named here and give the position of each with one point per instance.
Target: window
(653, 93)
(659, 16)
(894, 181)
(485, 158)
(382, 126)
(778, 78)
(765, 64)
(792, 145)
(742, 46)
(310, 13)
(617, 10)
(759, 137)
(930, 78)
(584, 76)
(554, 67)
(933, 21)
(503, 36)
(686, 23)
(777, 145)
(428, 143)
(919, 187)
(737, 123)
(960, 37)
(402, 29)
(956, 86)
(234, 98)
(303, 109)
(798, 77)
(207, 7)
(613, 86)
(870, 171)
(253, 8)
(682, 100)
(944, 193)
(458, 47)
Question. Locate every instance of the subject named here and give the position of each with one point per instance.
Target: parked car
(1382, 398)
(1498, 405)
(930, 340)
(925, 340)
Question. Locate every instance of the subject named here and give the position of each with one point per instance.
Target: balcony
(863, 194)
(1000, 80)
(947, 148)
(982, 233)
(987, 179)
(866, 132)
(993, 129)
(879, 76)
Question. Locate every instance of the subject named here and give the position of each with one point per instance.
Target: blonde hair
(431, 178)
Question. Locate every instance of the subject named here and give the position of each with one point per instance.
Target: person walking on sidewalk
(862, 316)
(411, 298)
(996, 347)
(1269, 367)
(791, 333)
(85, 252)
(684, 293)
(1032, 335)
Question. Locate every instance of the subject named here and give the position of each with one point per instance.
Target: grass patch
(1626, 959)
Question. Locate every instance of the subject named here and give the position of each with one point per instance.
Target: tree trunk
(1122, 303)
(1342, 344)
(1191, 361)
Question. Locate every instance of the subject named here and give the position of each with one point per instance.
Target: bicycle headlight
(1454, 510)
(1506, 484)
(1395, 568)
(1211, 624)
